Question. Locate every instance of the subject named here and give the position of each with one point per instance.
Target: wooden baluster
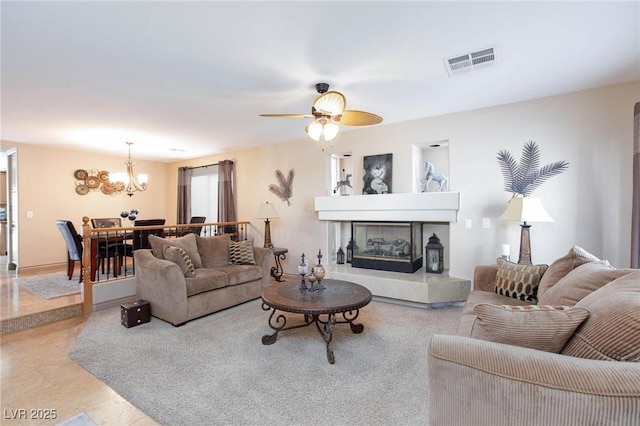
(87, 284)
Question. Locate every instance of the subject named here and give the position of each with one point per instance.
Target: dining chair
(141, 237)
(122, 249)
(106, 222)
(74, 246)
(197, 219)
(75, 249)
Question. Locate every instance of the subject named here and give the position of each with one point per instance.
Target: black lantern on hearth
(350, 251)
(434, 255)
(340, 256)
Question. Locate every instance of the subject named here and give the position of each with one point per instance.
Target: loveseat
(191, 276)
(565, 353)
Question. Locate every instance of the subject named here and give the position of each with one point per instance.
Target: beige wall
(46, 187)
(591, 202)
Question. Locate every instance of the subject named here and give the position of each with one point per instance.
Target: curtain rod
(207, 165)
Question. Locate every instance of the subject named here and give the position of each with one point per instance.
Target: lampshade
(526, 209)
(267, 211)
(322, 127)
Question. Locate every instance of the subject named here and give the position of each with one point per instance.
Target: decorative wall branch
(524, 178)
(284, 189)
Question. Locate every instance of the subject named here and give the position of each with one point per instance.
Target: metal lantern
(350, 251)
(434, 255)
(340, 256)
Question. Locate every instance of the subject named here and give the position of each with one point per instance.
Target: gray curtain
(635, 211)
(226, 201)
(184, 194)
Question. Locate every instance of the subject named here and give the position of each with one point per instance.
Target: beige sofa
(528, 363)
(189, 277)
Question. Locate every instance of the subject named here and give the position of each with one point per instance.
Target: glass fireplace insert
(387, 246)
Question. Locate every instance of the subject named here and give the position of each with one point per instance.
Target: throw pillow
(561, 267)
(241, 253)
(214, 250)
(518, 281)
(186, 243)
(580, 282)
(612, 331)
(545, 328)
(180, 258)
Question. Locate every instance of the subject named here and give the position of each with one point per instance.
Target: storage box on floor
(135, 313)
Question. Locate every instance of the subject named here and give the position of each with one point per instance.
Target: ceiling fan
(328, 110)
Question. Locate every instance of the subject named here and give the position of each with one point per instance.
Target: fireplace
(387, 246)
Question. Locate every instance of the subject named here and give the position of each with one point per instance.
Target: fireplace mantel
(424, 207)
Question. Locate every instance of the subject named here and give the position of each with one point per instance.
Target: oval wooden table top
(338, 296)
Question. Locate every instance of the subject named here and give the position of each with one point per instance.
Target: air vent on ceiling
(470, 61)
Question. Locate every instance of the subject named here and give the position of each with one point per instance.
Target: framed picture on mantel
(377, 174)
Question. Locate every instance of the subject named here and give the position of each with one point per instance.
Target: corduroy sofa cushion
(612, 332)
(581, 282)
(561, 267)
(518, 281)
(545, 328)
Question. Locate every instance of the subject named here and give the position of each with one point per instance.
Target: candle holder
(319, 272)
(303, 269)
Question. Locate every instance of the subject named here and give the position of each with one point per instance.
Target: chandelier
(127, 182)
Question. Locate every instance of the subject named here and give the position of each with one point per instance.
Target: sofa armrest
(162, 283)
(264, 257)
(484, 277)
(473, 382)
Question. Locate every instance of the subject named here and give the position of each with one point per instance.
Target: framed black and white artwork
(377, 174)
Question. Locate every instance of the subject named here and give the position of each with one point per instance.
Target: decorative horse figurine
(433, 176)
(342, 183)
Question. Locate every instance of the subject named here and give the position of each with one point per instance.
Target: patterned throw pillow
(545, 328)
(180, 257)
(241, 253)
(187, 243)
(518, 281)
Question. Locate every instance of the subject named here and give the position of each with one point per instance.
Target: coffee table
(318, 307)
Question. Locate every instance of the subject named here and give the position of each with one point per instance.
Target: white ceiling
(194, 76)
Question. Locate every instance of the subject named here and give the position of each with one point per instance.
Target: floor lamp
(525, 209)
(266, 212)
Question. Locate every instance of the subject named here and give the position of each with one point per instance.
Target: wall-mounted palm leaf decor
(284, 189)
(524, 178)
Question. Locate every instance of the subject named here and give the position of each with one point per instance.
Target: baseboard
(112, 303)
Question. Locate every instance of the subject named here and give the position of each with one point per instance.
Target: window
(204, 193)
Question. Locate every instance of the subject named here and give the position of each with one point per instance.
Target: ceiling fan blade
(287, 115)
(358, 118)
(331, 103)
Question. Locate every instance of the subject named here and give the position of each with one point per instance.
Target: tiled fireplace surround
(431, 208)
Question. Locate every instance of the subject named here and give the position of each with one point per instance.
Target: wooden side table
(279, 253)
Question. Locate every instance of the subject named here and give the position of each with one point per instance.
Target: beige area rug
(215, 370)
(51, 286)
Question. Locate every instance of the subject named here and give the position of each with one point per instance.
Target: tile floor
(36, 374)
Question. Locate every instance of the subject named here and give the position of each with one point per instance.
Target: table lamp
(266, 212)
(525, 209)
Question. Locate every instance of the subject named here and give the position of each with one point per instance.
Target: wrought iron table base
(325, 328)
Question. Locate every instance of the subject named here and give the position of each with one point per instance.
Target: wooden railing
(108, 252)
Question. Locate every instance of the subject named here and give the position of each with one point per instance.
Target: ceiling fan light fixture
(330, 130)
(322, 128)
(314, 129)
